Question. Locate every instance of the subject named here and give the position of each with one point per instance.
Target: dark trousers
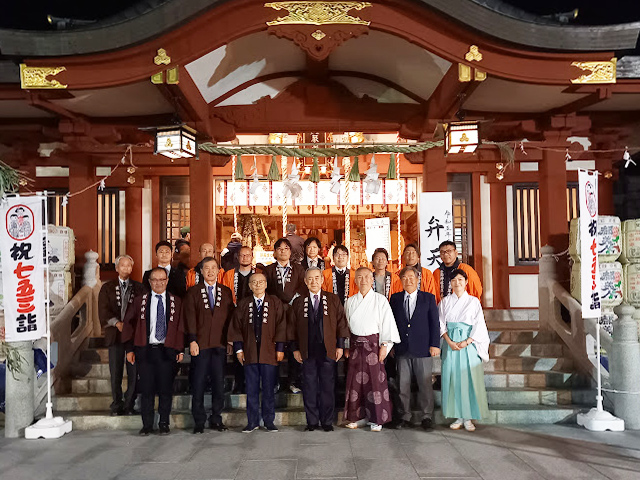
(319, 376)
(157, 371)
(209, 362)
(117, 362)
(421, 368)
(256, 374)
(293, 370)
(238, 372)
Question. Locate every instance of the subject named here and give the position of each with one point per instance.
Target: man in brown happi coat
(153, 333)
(318, 330)
(258, 332)
(207, 309)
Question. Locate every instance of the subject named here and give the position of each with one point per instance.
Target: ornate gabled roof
(152, 18)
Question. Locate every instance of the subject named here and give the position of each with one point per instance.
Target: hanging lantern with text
(461, 137)
(176, 142)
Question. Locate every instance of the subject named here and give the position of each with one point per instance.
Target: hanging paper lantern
(239, 169)
(354, 173)
(274, 171)
(391, 172)
(315, 171)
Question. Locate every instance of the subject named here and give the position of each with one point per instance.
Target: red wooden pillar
(554, 227)
(605, 186)
(434, 171)
(83, 207)
(499, 246)
(201, 204)
(133, 225)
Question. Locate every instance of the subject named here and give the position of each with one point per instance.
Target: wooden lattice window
(108, 227)
(526, 223)
(177, 214)
(56, 211)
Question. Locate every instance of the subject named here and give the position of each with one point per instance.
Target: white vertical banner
(378, 235)
(436, 226)
(21, 248)
(589, 271)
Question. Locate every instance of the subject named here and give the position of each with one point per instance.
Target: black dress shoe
(144, 432)
(327, 428)
(221, 427)
(131, 413)
(427, 424)
(198, 429)
(163, 429)
(310, 428)
(249, 429)
(271, 428)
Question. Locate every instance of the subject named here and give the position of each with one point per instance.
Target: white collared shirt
(258, 298)
(341, 270)
(413, 298)
(123, 282)
(311, 295)
(153, 315)
(167, 268)
(312, 263)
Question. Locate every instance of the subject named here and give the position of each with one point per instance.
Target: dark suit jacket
(177, 284)
(334, 323)
(137, 327)
(295, 285)
(109, 307)
(297, 247)
(422, 330)
(273, 331)
(207, 324)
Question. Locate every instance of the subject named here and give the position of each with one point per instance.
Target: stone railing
(621, 380)
(71, 340)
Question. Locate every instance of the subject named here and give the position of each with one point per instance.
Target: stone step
(513, 414)
(495, 396)
(526, 350)
(524, 336)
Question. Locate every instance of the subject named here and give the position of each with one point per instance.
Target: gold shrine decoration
(601, 71)
(473, 54)
(162, 58)
(36, 77)
(318, 13)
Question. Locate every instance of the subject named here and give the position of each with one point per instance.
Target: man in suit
(411, 258)
(113, 300)
(207, 310)
(318, 329)
(416, 316)
(258, 332)
(177, 281)
(340, 279)
(153, 333)
(285, 280)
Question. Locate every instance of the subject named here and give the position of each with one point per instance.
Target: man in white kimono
(373, 333)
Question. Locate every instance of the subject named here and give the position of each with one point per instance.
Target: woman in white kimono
(466, 346)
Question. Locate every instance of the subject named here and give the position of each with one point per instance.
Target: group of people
(315, 314)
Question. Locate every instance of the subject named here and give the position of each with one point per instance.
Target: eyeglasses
(341, 255)
(158, 280)
(448, 250)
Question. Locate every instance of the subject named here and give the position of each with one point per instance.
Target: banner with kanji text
(589, 270)
(436, 226)
(21, 249)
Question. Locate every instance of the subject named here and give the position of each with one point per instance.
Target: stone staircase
(529, 380)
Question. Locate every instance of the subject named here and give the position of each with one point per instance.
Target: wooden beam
(591, 99)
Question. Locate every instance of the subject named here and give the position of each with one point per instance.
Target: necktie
(161, 323)
(259, 304)
(315, 303)
(211, 301)
(123, 287)
(406, 307)
(285, 272)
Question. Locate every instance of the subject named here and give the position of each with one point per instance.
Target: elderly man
(177, 281)
(418, 323)
(154, 337)
(258, 332)
(450, 263)
(411, 258)
(113, 301)
(194, 275)
(207, 310)
(339, 279)
(318, 330)
(373, 333)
